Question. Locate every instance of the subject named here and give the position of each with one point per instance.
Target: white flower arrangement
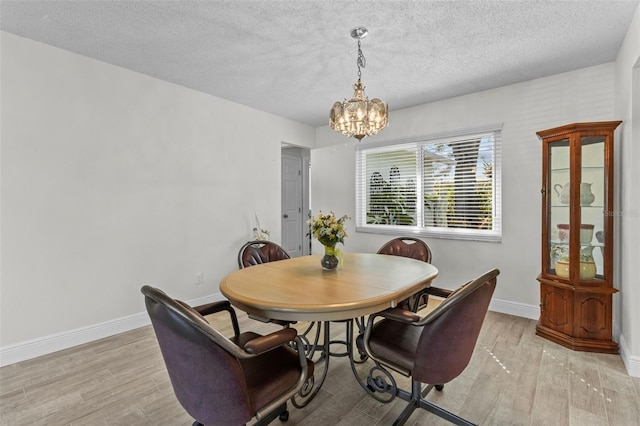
(328, 229)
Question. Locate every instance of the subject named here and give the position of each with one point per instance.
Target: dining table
(299, 289)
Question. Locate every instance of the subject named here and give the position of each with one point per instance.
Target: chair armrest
(215, 307)
(393, 314)
(398, 314)
(306, 372)
(436, 291)
(429, 291)
(270, 341)
(212, 308)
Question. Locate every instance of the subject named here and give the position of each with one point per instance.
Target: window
(445, 186)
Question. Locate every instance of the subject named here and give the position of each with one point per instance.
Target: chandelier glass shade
(359, 117)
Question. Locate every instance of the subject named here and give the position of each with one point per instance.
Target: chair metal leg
(416, 400)
(447, 415)
(406, 413)
(279, 412)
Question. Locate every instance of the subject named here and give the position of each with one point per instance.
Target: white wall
(627, 108)
(112, 179)
(584, 95)
(590, 94)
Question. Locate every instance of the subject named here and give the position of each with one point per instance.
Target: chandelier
(359, 116)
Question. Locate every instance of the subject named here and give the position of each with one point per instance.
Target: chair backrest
(258, 251)
(407, 247)
(450, 332)
(207, 380)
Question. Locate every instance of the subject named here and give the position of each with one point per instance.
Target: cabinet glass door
(592, 207)
(559, 201)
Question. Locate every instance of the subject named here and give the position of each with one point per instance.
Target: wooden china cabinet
(576, 282)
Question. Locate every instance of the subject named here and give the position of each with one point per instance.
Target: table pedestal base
(324, 353)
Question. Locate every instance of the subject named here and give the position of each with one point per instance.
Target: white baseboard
(514, 308)
(631, 362)
(56, 342)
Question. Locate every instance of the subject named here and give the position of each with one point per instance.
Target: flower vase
(330, 260)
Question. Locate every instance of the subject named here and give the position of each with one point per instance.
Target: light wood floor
(514, 378)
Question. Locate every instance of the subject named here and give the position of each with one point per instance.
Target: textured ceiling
(295, 58)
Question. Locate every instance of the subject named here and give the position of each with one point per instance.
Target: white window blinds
(441, 186)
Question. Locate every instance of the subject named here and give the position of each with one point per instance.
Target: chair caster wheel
(439, 387)
(284, 416)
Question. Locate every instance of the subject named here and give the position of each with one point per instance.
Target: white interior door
(292, 205)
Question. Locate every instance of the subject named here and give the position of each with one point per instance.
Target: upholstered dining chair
(432, 350)
(413, 248)
(407, 247)
(220, 380)
(257, 252)
(416, 249)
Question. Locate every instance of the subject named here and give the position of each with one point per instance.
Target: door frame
(305, 155)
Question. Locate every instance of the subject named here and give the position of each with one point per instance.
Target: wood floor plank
(585, 387)
(514, 378)
(482, 398)
(622, 408)
(33, 411)
(551, 405)
(356, 417)
(28, 376)
(582, 417)
(519, 372)
(613, 378)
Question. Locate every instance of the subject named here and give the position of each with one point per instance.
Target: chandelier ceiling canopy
(359, 116)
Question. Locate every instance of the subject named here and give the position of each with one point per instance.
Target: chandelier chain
(362, 62)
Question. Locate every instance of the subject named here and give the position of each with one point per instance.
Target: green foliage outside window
(395, 204)
(446, 185)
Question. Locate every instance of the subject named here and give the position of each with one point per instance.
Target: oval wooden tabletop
(299, 289)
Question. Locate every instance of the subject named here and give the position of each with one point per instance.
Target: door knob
(286, 216)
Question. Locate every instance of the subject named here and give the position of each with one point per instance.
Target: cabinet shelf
(584, 168)
(566, 206)
(566, 243)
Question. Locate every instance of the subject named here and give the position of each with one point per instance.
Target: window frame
(361, 182)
